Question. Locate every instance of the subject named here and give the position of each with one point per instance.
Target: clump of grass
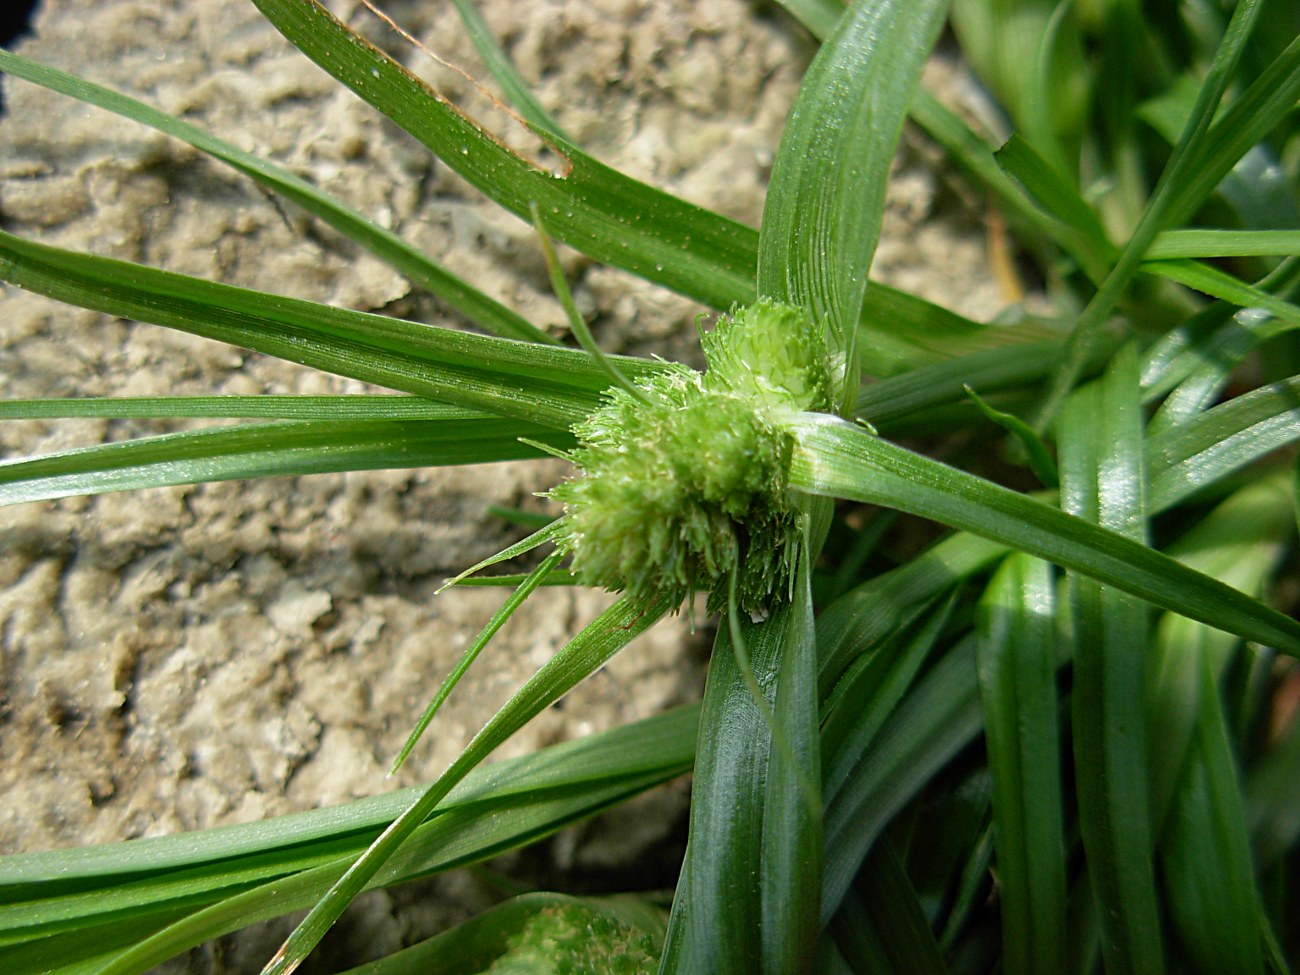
(1055, 740)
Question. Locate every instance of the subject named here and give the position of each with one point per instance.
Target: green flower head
(678, 491)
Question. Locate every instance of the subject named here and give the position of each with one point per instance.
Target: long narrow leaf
(1055, 193)
(1204, 450)
(868, 614)
(822, 216)
(387, 246)
(470, 654)
(336, 409)
(596, 209)
(497, 62)
(727, 914)
(587, 651)
(96, 892)
(939, 718)
(291, 447)
(900, 333)
(834, 458)
(1017, 674)
(1215, 337)
(550, 386)
(1268, 100)
(660, 742)
(1102, 477)
(1217, 284)
(1175, 197)
(975, 154)
(881, 927)
(1210, 880)
(792, 813)
(1181, 244)
(894, 399)
(818, 16)
(589, 206)
(1240, 542)
(446, 842)
(867, 694)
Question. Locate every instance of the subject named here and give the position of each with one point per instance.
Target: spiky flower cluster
(679, 490)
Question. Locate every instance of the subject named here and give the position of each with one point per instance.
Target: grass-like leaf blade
(1215, 339)
(336, 409)
(579, 658)
(446, 842)
(724, 903)
(1080, 229)
(543, 384)
(792, 806)
(1205, 449)
(640, 747)
(935, 721)
(1016, 650)
(825, 203)
(603, 213)
(94, 889)
(1218, 284)
(1102, 478)
(818, 16)
(1182, 187)
(498, 63)
(866, 695)
(593, 208)
(834, 458)
(881, 606)
(1250, 118)
(1240, 542)
(276, 449)
(485, 312)
(1179, 244)
(1205, 853)
(470, 654)
(881, 927)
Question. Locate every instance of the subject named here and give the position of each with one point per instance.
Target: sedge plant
(1050, 735)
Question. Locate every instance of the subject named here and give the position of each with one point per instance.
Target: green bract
(682, 488)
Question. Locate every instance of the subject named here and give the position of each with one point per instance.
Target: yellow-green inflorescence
(678, 490)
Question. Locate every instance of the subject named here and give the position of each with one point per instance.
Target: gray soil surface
(186, 657)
